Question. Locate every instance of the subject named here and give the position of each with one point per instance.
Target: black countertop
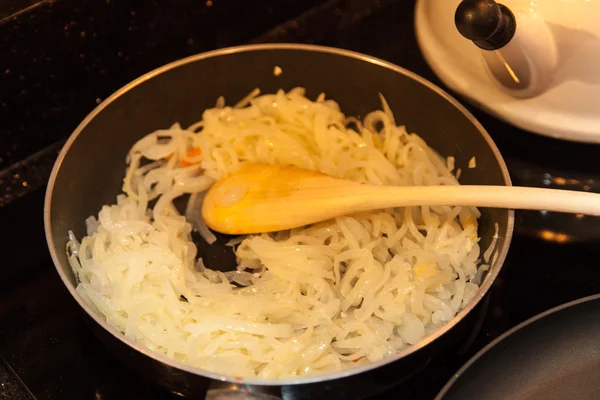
(58, 59)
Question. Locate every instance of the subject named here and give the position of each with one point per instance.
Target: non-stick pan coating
(553, 356)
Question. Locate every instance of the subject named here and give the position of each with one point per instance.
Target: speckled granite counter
(10, 387)
(62, 57)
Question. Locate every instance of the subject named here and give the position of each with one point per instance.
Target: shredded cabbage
(321, 298)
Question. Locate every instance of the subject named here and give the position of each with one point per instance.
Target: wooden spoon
(266, 198)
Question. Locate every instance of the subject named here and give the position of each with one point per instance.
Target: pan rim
(554, 310)
(483, 290)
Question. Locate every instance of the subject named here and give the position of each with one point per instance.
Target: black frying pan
(552, 356)
(90, 170)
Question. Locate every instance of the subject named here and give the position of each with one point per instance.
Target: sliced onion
(193, 215)
(235, 241)
(91, 224)
(240, 277)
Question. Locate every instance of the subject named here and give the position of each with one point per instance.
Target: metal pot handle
(236, 391)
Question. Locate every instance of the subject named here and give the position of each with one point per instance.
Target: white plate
(569, 109)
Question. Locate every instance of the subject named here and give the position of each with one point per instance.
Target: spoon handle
(269, 199)
(524, 198)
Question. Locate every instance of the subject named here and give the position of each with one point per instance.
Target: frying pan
(552, 356)
(90, 170)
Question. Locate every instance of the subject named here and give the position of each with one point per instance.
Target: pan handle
(236, 391)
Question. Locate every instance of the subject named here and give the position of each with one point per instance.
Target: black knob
(488, 24)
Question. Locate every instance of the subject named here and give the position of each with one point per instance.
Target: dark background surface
(58, 59)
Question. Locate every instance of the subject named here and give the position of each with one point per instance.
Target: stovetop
(59, 58)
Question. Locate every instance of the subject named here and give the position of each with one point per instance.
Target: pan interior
(90, 171)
